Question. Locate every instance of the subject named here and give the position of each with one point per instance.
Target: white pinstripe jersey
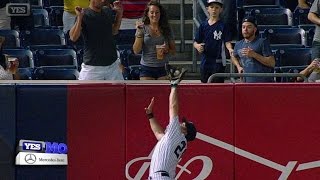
(169, 149)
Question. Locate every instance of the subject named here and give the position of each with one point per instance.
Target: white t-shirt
(5, 75)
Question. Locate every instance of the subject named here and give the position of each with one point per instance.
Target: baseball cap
(191, 130)
(250, 19)
(215, 1)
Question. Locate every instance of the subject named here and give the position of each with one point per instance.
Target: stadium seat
(55, 74)
(309, 32)
(285, 46)
(66, 58)
(295, 57)
(272, 16)
(48, 3)
(24, 56)
(40, 17)
(285, 36)
(125, 36)
(43, 37)
(267, 3)
(261, 28)
(25, 73)
(131, 63)
(300, 17)
(12, 39)
(36, 3)
(55, 14)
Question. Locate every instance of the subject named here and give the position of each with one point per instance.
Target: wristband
(150, 115)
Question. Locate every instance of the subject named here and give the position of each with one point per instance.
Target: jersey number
(180, 149)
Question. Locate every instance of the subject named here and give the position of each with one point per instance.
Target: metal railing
(233, 75)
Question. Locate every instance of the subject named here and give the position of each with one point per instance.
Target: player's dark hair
(191, 130)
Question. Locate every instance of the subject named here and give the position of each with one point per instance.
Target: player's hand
(117, 7)
(150, 107)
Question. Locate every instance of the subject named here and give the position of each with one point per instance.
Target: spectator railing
(233, 75)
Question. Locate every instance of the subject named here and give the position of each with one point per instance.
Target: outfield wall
(246, 131)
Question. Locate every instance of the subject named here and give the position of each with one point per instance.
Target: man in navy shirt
(209, 43)
(253, 54)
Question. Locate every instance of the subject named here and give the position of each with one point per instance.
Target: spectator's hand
(200, 47)
(150, 107)
(117, 7)
(139, 24)
(303, 6)
(231, 52)
(314, 64)
(165, 46)
(240, 69)
(248, 52)
(79, 11)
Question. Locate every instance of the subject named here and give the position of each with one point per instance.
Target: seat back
(56, 15)
(56, 57)
(300, 16)
(295, 56)
(241, 3)
(285, 36)
(25, 73)
(40, 17)
(48, 3)
(24, 56)
(56, 74)
(12, 38)
(125, 36)
(273, 16)
(43, 37)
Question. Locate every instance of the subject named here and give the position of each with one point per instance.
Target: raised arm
(173, 103)
(156, 128)
(117, 7)
(75, 31)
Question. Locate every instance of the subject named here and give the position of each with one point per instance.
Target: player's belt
(163, 173)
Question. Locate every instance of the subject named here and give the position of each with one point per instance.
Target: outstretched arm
(117, 7)
(173, 103)
(158, 131)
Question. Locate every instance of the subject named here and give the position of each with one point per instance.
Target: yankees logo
(217, 35)
(203, 174)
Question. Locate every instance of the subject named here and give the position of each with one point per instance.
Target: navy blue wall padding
(43, 117)
(7, 131)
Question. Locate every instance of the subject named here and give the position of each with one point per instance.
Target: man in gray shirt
(313, 16)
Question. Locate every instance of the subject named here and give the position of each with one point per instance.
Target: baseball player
(172, 142)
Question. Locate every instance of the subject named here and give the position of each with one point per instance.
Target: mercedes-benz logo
(30, 158)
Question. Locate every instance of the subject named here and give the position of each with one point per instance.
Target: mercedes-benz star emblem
(30, 158)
